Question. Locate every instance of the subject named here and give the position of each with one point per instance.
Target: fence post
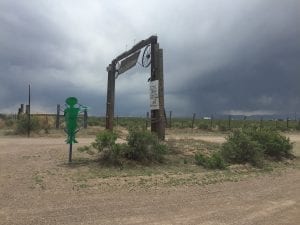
(19, 113)
(287, 122)
(193, 121)
(170, 122)
(244, 123)
(28, 111)
(229, 122)
(147, 119)
(211, 121)
(85, 119)
(57, 116)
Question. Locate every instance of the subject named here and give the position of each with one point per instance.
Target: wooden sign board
(128, 62)
(154, 100)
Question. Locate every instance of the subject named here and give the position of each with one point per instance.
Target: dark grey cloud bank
(237, 57)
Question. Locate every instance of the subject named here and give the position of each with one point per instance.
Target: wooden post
(170, 120)
(211, 121)
(22, 109)
(147, 119)
(70, 152)
(165, 119)
(110, 102)
(157, 116)
(287, 122)
(19, 113)
(229, 122)
(193, 120)
(29, 122)
(162, 122)
(154, 76)
(85, 119)
(57, 116)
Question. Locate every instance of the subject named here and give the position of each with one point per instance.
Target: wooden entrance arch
(157, 114)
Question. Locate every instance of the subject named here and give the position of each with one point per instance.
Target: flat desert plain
(38, 186)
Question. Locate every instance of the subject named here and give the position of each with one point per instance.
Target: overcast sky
(220, 56)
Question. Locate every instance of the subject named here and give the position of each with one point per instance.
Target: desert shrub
(144, 146)
(23, 124)
(273, 143)
(105, 143)
(203, 126)
(298, 126)
(9, 122)
(254, 145)
(87, 148)
(240, 148)
(105, 140)
(95, 121)
(223, 128)
(215, 161)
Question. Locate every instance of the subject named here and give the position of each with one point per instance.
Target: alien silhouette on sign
(71, 113)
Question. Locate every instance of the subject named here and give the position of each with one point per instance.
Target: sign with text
(154, 100)
(128, 62)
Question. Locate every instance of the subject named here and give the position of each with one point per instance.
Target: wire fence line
(213, 122)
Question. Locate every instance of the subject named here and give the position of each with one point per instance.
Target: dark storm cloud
(30, 46)
(251, 66)
(219, 56)
(36, 50)
(266, 81)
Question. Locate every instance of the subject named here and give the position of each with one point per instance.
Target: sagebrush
(254, 145)
(142, 146)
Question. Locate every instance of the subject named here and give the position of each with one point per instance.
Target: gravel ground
(35, 188)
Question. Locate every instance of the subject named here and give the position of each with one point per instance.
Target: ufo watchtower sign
(152, 55)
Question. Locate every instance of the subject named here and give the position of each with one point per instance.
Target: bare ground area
(37, 186)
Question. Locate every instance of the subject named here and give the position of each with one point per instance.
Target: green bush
(87, 149)
(9, 122)
(144, 146)
(254, 145)
(105, 143)
(23, 124)
(298, 126)
(215, 161)
(240, 148)
(203, 126)
(223, 128)
(274, 144)
(105, 140)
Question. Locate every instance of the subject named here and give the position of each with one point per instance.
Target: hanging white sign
(154, 100)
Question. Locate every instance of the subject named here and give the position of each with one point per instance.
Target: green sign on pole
(71, 113)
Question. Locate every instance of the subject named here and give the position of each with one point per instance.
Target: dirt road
(35, 189)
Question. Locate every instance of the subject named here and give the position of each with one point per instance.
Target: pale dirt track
(271, 199)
